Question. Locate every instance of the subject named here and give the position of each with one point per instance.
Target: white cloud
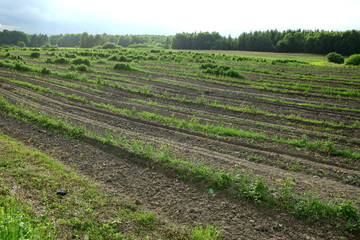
(169, 17)
(8, 27)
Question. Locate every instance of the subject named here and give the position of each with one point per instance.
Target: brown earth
(183, 202)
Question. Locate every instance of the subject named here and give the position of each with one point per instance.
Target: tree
(84, 39)
(335, 57)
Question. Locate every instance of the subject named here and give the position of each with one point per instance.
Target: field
(262, 146)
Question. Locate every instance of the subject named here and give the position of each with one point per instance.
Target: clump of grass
(35, 55)
(18, 222)
(220, 70)
(205, 233)
(81, 67)
(79, 61)
(123, 66)
(58, 60)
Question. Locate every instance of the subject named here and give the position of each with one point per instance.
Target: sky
(166, 17)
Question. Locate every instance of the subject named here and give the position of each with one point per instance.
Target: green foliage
(241, 184)
(79, 61)
(45, 71)
(70, 55)
(16, 221)
(109, 45)
(353, 60)
(82, 67)
(205, 233)
(35, 55)
(221, 70)
(59, 60)
(123, 66)
(335, 58)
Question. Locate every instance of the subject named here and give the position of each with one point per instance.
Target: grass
(241, 184)
(195, 125)
(146, 90)
(84, 212)
(18, 222)
(309, 104)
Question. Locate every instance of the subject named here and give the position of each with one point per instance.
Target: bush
(35, 55)
(79, 61)
(61, 60)
(81, 67)
(113, 58)
(109, 46)
(207, 65)
(45, 71)
(124, 59)
(335, 58)
(123, 66)
(353, 60)
(220, 70)
(68, 55)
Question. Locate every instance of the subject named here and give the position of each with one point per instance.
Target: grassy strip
(270, 85)
(194, 124)
(84, 212)
(241, 184)
(309, 104)
(146, 90)
(255, 110)
(17, 220)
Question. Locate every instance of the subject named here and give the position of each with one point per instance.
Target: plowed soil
(312, 170)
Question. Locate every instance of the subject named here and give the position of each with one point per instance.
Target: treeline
(298, 41)
(22, 39)
(83, 40)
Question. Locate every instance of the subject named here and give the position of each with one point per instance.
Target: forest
(294, 41)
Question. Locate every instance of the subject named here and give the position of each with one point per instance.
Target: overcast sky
(166, 17)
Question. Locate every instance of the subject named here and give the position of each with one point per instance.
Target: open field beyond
(262, 147)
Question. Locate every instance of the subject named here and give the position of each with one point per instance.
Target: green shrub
(22, 67)
(124, 59)
(335, 58)
(45, 71)
(81, 67)
(207, 65)
(122, 66)
(79, 61)
(58, 60)
(69, 55)
(109, 46)
(220, 70)
(353, 60)
(113, 58)
(35, 55)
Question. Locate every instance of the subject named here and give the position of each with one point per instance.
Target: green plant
(45, 70)
(81, 67)
(353, 60)
(205, 233)
(78, 61)
(109, 46)
(123, 66)
(335, 57)
(35, 55)
(60, 60)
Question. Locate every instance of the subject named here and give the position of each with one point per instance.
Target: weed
(205, 233)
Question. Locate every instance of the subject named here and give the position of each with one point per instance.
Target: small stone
(262, 228)
(252, 221)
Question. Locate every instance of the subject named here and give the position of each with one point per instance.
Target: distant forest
(296, 41)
